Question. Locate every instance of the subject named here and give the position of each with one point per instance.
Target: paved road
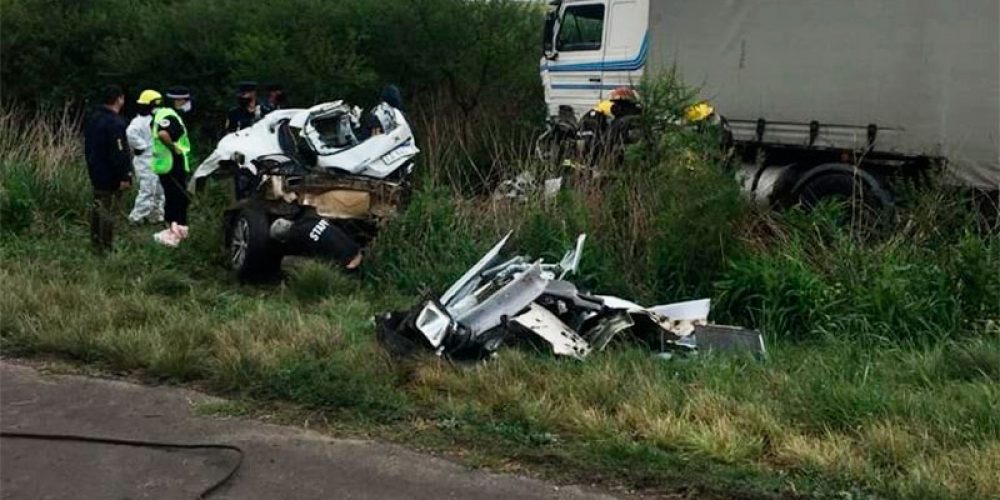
(281, 462)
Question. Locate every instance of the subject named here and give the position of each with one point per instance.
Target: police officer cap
(178, 92)
(246, 86)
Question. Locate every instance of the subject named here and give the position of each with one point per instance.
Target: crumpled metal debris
(519, 300)
(525, 184)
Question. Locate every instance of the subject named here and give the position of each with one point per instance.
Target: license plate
(395, 155)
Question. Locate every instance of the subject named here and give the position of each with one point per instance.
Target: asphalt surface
(280, 462)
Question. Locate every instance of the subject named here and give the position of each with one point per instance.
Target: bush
(481, 53)
(428, 245)
(41, 182)
(813, 278)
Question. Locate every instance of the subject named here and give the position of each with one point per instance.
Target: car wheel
(249, 250)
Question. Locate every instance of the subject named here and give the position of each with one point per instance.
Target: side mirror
(548, 34)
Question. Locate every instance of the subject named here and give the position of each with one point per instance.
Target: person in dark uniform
(108, 163)
(276, 98)
(247, 111)
(381, 118)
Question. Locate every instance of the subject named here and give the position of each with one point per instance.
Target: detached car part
(501, 302)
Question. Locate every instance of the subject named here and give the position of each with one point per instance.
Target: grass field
(883, 377)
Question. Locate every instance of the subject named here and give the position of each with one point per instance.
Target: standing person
(149, 201)
(276, 98)
(171, 161)
(382, 118)
(247, 111)
(105, 147)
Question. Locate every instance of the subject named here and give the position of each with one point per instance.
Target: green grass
(883, 376)
(819, 418)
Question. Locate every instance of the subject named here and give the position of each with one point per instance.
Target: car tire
(250, 253)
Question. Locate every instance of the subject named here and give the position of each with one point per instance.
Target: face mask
(243, 101)
(143, 109)
(186, 107)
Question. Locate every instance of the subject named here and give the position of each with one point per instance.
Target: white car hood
(377, 157)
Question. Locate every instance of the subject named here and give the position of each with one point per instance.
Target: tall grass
(45, 139)
(42, 176)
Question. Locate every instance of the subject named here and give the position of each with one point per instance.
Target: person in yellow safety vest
(172, 162)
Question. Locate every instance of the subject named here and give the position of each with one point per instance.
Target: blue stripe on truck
(633, 64)
(585, 86)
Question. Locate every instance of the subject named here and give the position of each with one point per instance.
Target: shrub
(484, 53)
(810, 277)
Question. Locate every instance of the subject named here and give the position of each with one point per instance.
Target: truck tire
(249, 250)
(872, 206)
(553, 146)
(619, 134)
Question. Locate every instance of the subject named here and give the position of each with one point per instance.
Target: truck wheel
(550, 147)
(249, 250)
(871, 207)
(622, 132)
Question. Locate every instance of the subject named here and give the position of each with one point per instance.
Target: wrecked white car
(498, 302)
(304, 184)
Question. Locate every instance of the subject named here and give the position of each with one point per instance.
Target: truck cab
(591, 47)
(823, 99)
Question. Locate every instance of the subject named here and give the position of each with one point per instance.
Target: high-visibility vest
(163, 156)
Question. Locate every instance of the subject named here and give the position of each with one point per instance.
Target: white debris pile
(519, 300)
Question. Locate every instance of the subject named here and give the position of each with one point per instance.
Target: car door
(626, 44)
(574, 75)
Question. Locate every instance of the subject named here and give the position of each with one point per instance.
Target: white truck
(823, 97)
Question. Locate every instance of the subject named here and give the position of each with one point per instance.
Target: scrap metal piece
(571, 261)
(562, 338)
(513, 263)
(470, 280)
(608, 328)
(564, 290)
(509, 300)
(676, 319)
(691, 309)
(434, 324)
(685, 316)
(613, 302)
(551, 187)
(723, 338)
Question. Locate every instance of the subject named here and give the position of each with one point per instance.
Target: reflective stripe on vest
(163, 159)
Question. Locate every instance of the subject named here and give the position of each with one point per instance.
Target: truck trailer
(822, 97)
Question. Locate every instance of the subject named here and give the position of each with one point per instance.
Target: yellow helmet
(149, 96)
(698, 112)
(604, 107)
